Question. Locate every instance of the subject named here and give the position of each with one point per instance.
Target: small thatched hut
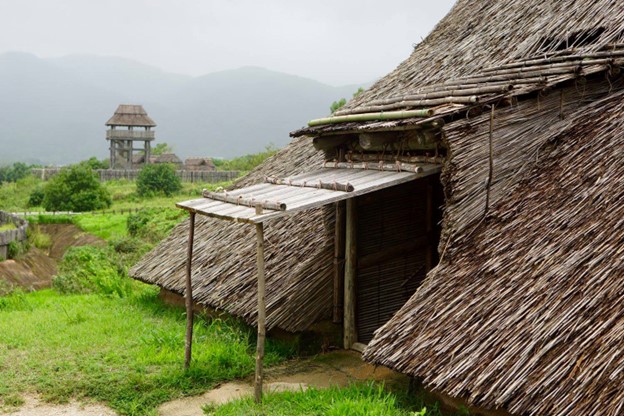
(515, 299)
(199, 164)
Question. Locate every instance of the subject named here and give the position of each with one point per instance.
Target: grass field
(126, 352)
(101, 336)
(14, 195)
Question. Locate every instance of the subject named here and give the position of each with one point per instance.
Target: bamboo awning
(279, 197)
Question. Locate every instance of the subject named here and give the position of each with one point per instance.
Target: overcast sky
(334, 41)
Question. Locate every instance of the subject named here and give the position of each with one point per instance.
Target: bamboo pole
(261, 312)
(189, 295)
(349, 330)
(339, 253)
(391, 115)
(423, 103)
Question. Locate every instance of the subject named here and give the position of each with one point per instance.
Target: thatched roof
(130, 115)
(528, 313)
(524, 310)
(299, 254)
(478, 36)
(166, 158)
(204, 162)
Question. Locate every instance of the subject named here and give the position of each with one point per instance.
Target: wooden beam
(261, 312)
(397, 142)
(331, 142)
(339, 253)
(349, 330)
(189, 295)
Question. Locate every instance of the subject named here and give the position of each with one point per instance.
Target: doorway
(398, 232)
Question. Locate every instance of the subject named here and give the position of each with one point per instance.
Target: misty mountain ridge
(53, 110)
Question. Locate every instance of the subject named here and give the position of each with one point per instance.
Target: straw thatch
(523, 311)
(478, 35)
(166, 158)
(298, 250)
(199, 163)
(128, 115)
(527, 313)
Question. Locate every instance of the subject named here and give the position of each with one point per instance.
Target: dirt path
(35, 407)
(337, 368)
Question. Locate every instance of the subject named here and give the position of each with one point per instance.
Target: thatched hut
(199, 164)
(519, 308)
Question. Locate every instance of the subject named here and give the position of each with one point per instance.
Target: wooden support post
(349, 330)
(189, 295)
(261, 312)
(339, 253)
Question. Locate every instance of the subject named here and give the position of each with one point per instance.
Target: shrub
(75, 189)
(153, 224)
(15, 249)
(94, 163)
(89, 269)
(158, 178)
(36, 197)
(38, 239)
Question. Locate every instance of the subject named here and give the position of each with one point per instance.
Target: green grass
(126, 352)
(39, 239)
(7, 226)
(14, 195)
(355, 400)
(124, 195)
(105, 226)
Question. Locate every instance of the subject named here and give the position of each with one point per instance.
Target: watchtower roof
(130, 115)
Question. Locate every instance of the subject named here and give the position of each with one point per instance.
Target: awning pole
(349, 329)
(261, 312)
(189, 295)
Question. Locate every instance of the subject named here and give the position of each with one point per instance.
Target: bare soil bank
(34, 270)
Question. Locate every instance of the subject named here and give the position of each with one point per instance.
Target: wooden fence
(131, 174)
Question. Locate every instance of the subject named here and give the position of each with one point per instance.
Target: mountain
(54, 110)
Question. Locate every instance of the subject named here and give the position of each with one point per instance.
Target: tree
(14, 172)
(162, 148)
(75, 188)
(158, 178)
(95, 164)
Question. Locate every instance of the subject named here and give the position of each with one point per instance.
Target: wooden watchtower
(128, 125)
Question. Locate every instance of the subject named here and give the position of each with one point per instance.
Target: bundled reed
(299, 255)
(528, 313)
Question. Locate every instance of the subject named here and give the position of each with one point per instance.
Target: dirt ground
(35, 407)
(336, 368)
(34, 270)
